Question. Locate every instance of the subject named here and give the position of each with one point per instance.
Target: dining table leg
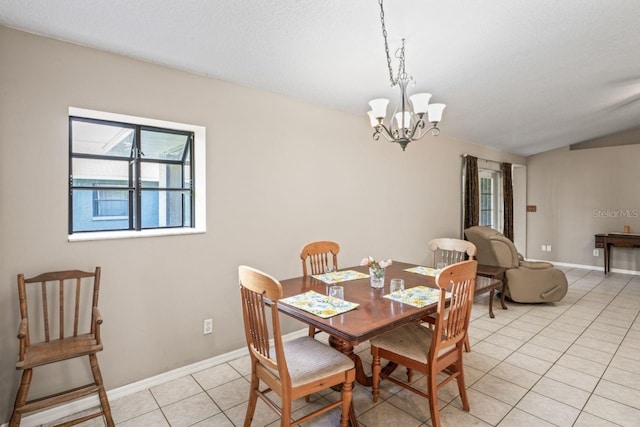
(346, 348)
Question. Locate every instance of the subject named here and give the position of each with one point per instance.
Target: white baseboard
(594, 267)
(50, 415)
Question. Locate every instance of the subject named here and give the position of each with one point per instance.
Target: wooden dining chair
(64, 324)
(436, 351)
(315, 257)
(292, 369)
(451, 251)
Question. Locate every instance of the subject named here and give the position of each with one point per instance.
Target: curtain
(471, 193)
(507, 195)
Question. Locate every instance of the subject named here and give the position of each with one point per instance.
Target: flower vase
(377, 277)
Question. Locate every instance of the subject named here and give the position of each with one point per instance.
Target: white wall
(580, 193)
(280, 173)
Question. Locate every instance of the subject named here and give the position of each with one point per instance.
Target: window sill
(110, 235)
(109, 218)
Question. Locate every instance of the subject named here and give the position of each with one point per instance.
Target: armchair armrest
(536, 265)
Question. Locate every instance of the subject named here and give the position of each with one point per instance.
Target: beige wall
(280, 173)
(578, 194)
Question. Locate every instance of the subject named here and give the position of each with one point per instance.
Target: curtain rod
(484, 160)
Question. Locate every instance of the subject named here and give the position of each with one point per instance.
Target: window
(108, 204)
(133, 177)
(491, 198)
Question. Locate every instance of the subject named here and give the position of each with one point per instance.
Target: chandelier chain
(386, 46)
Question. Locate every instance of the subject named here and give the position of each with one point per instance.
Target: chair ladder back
(45, 311)
(76, 314)
(452, 257)
(455, 322)
(48, 282)
(257, 291)
(451, 251)
(256, 319)
(460, 280)
(317, 263)
(318, 255)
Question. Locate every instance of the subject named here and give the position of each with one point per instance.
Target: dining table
(374, 315)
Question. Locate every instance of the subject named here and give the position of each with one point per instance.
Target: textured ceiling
(519, 75)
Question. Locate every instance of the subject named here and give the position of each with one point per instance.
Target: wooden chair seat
(303, 370)
(57, 350)
(411, 341)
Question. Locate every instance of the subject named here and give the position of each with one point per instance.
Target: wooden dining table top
(375, 314)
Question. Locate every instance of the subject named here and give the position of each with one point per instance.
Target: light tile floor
(573, 363)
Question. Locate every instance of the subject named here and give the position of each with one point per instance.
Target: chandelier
(408, 122)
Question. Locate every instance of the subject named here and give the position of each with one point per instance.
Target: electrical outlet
(596, 252)
(208, 326)
(544, 248)
(548, 248)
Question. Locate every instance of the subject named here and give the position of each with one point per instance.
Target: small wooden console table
(619, 240)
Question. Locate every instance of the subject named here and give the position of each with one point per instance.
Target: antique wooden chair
(432, 351)
(292, 369)
(63, 334)
(315, 257)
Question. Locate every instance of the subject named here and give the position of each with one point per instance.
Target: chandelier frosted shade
(420, 102)
(403, 120)
(379, 107)
(435, 113)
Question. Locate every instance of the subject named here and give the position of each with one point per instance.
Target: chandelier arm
(417, 128)
(386, 134)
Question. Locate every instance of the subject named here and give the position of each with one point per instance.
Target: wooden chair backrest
(451, 251)
(451, 325)
(318, 255)
(57, 291)
(257, 289)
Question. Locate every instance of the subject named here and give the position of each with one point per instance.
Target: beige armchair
(527, 281)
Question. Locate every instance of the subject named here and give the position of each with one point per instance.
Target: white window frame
(199, 167)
